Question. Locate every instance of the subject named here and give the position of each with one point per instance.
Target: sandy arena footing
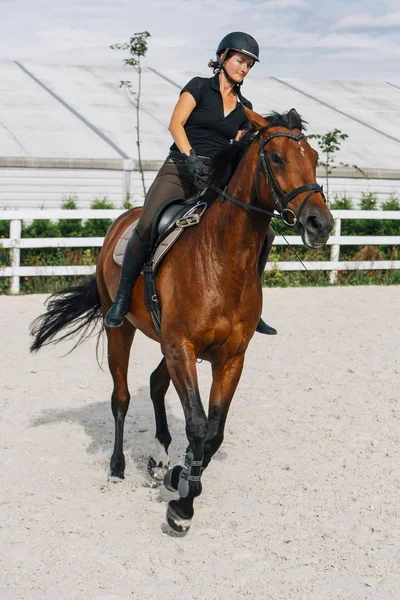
(302, 501)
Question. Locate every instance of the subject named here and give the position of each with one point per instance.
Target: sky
(309, 39)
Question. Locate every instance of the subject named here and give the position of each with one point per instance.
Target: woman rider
(208, 114)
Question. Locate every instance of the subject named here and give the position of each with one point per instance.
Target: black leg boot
(133, 261)
(262, 327)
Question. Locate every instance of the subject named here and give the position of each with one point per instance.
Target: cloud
(297, 37)
(282, 5)
(368, 22)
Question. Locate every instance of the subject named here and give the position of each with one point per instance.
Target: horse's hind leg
(119, 345)
(159, 459)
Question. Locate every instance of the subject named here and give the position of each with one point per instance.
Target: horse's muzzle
(315, 226)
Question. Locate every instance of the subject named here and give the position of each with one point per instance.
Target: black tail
(76, 308)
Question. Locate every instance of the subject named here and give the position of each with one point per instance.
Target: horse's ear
(295, 120)
(257, 120)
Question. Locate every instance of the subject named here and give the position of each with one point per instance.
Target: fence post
(127, 180)
(335, 250)
(15, 236)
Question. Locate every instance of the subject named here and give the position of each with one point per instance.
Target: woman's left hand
(195, 164)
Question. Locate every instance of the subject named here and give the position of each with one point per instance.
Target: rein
(273, 185)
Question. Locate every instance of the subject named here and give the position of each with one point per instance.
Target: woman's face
(238, 65)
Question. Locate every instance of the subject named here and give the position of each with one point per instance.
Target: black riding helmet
(242, 42)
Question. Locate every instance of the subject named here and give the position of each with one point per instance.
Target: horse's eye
(276, 159)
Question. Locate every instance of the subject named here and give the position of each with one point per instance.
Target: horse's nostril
(313, 223)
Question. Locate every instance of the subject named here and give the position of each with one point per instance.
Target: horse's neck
(233, 239)
(241, 228)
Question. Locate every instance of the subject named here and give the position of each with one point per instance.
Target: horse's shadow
(97, 421)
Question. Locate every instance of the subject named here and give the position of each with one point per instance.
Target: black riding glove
(195, 164)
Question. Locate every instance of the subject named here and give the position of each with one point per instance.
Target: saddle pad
(122, 242)
(161, 249)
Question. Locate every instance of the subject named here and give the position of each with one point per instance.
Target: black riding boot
(133, 261)
(262, 327)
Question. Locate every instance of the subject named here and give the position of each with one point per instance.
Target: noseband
(280, 198)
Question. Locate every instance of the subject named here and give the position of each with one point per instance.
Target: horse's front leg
(226, 377)
(181, 363)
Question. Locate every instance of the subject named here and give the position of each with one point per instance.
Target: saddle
(169, 222)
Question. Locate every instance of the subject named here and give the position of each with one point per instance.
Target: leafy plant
(392, 203)
(98, 227)
(69, 203)
(329, 143)
(369, 201)
(137, 47)
(4, 229)
(102, 203)
(70, 227)
(40, 228)
(127, 203)
(342, 202)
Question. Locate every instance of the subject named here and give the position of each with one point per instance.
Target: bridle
(276, 191)
(280, 198)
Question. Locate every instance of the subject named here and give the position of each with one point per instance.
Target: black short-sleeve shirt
(207, 128)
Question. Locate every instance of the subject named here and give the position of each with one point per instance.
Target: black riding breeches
(173, 180)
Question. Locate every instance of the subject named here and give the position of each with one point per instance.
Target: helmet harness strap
(222, 68)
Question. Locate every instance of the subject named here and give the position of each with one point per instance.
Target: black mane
(226, 160)
(290, 120)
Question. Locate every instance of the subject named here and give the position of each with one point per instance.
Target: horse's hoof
(171, 478)
(177, 522)
(117, 474)
(157, 471)
(117, 467)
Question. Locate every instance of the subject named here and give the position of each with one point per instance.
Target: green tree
(137, 47)
(329, 143)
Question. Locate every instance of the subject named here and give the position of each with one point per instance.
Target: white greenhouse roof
(64, 111)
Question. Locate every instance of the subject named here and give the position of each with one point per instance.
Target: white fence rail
(15, 243)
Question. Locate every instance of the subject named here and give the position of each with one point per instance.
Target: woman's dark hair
(214, 64)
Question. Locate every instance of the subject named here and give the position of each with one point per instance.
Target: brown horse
(210, 293)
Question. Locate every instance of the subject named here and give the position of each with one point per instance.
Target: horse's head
(289, 164)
